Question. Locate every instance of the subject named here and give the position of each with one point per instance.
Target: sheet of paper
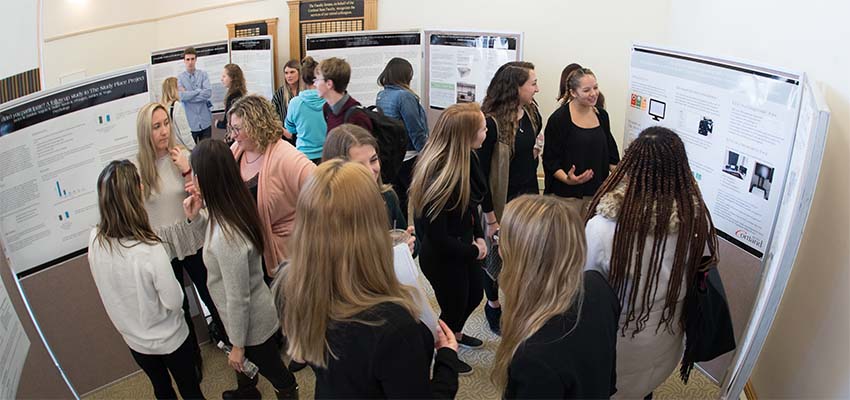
(408, 274)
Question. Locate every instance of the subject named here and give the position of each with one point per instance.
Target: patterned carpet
(219, 377)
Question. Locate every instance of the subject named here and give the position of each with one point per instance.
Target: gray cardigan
(235, 281)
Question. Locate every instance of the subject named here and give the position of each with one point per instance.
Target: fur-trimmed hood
(610, 204)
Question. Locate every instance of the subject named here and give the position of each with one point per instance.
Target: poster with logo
(738, 124)
(52, 149)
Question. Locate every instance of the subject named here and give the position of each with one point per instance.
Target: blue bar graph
(67, 215)
(58, 189)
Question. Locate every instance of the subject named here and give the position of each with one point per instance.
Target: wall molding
(149, 20)
(750, 391)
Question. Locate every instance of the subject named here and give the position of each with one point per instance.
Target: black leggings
(401, 183)
(457, 286)
(267, 358)
(491, 287)
(181, 364)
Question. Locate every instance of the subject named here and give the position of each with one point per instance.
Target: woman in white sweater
(131, 267)
(233, 251)
(647, 233)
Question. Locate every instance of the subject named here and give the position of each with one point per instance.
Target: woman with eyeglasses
(304, 118)
(131, 266)
(273, 171)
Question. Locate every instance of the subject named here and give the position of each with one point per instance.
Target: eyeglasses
(317, 80)
(235, 129)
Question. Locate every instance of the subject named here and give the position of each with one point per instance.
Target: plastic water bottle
(248, 368)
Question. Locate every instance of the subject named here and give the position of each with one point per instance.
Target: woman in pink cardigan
(273, 170)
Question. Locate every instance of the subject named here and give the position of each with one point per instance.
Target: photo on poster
(465, 92)
(762, 180)
(706, 126)
(736, 164)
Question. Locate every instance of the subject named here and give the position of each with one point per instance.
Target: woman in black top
(580, 149)
(234, 80)
(343, 310)
(508, 156)
(559, 332)
(446, 190)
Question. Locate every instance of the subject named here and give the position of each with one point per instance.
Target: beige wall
(807, 354)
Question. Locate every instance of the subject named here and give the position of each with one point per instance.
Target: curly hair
(259, 119)
(502, 100)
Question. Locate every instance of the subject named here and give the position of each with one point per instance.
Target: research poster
(368, 54)
(254, 56)
(52, 149)
(14, 344)
(212, 57)
(460, 66)
(738, 124)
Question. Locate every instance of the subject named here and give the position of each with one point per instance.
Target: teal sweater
(304, 118)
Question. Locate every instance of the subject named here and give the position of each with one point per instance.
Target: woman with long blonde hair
(559, 327)
(344, 312)
(445, 193)
(164, 169)
(177, 113)
(130, 265)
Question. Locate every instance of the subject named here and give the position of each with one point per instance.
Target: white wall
(20, 33)
(596, 35)
(807, 354)
(169, 24)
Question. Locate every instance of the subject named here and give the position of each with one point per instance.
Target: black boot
(289, 393)
(246, 388)
(295, 366)
(494, 318)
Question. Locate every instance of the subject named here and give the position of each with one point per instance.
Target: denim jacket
(399, 103)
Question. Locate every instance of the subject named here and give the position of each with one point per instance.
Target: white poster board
(14, 344)
(461, 64)
(368, 53)
(254, 55)
(737, 122)
(212, 57)
(53, 146)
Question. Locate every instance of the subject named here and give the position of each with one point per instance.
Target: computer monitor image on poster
(657, 109)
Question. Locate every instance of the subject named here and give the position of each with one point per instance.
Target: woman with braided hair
(647, 231)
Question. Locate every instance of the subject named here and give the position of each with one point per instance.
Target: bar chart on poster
(54, 145)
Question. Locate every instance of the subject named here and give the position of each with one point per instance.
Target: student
(647, 231)
(292, 87)
(273, 171)
(176, 113)
(164, 170)
(233, 251)
(446, 191)
(130, 264)
(559, 332)
(397, 100)
(343, 309)
(305, 118)
(563, 91)
(195, 93)
(352, 143)
(233, 79)
(332, 77)
(508, 156)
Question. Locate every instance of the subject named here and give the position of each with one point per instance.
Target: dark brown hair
(569, 80)
(398, 71)
(502, 100)
(308, 70)
(190, 51)
(659, 190)
(237, 80)
(228, 200)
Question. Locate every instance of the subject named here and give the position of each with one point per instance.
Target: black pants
(491, 287)
(401, 184)
(267, 358)
(194, 266)
(181, 364)
(457, 286)
(202, 134)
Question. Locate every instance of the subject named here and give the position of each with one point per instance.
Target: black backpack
(391, 136)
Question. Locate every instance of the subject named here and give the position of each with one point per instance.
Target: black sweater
(450, 235)
(522, 175)
(228, 102)
(568, 145)
(581, 364)
(389, 360)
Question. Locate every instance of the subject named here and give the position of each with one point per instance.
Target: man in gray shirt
(195, 93)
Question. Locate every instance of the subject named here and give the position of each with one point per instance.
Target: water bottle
(248, 368)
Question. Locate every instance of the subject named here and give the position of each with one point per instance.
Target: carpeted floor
(219, 377)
